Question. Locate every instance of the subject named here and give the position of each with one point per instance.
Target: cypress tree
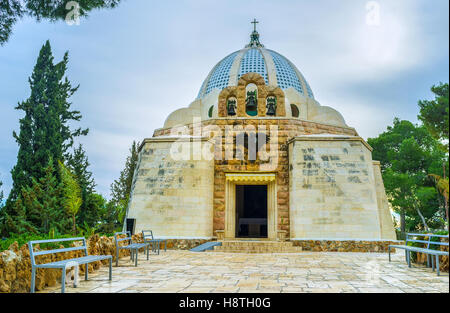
(44, 133)
(121, 188)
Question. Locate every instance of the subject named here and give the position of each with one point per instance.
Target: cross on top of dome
(255, 22)
(254, 37)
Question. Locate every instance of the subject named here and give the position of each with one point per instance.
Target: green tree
(71, 193)
(111, 217)
(408, 153)
(442, 185)
(434, 113)
(38, 208)
(121, 188)
(79, 165)
(45, 131)
(13, 10)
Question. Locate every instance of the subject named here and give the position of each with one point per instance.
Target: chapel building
(256, 156)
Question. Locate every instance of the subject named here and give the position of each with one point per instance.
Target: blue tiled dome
(272, 66)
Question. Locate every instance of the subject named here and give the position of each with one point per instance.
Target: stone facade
(333, 190)
(171, 197)
(326, 185)
(287, 128)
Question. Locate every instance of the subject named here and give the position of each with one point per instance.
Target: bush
(25, 238)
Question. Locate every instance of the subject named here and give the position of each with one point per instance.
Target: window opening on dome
(295, 111)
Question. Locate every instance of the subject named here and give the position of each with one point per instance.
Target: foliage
(408, 153)
(434, 114)
(86, 231)
(25, 238)
(45, 133)
(71, 193)
(90, 208)
(442, 185)
(38, 208)
(121, 188)
(111, 218)
(13, 10)
(413, 254)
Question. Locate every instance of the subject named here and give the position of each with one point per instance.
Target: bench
(148, 238)
(133, 247)
(410, 237)
(64, 264)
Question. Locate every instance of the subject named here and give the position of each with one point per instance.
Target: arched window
(210, 111)
(251, 101)
(295, 111)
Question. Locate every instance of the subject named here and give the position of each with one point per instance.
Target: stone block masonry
(287, 128)
(173, 198)
(333, 193)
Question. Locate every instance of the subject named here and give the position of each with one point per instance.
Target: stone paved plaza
(319, 272)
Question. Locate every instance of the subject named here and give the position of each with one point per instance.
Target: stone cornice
(211, 121)
(172, 139)
(330, 137)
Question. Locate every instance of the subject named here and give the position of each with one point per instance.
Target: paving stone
(318, 272)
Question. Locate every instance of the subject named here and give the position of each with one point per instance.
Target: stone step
(257, 246)
(257, 251)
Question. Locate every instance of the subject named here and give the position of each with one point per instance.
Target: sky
(139, 62)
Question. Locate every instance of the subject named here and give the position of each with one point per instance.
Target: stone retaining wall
(344, 245)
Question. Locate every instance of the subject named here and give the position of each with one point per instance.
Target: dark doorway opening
(251, 211)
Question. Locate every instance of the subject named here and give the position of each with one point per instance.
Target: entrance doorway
(251, 211)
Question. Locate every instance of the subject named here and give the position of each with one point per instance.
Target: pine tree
(121, 188)
(38, 208)
(89, 211)
(44, 133)
(13, 10)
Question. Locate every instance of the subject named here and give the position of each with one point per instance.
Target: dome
(275, 68)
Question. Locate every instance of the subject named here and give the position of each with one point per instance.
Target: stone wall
(345, 245)
(384, 213)
(173, 198)
(333, 190)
